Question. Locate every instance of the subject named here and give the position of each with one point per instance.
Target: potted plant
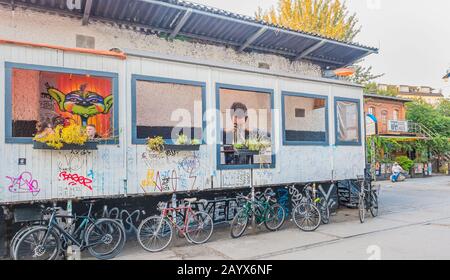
(70, 137)
(183, 143)
(156, 144)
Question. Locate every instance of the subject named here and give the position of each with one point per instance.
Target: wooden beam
(87, 12)
(314, 47)
(253, 38)
(180, 24)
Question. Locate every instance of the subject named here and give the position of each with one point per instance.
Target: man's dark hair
(239, 106)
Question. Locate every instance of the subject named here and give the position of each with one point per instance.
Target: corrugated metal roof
(200, 22)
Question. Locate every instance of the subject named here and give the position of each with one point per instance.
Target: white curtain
(347, 114)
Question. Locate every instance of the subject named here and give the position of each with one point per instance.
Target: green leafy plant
(239, 146)
(257, 144)
(182, 140)
(405, 162)
(156, 144)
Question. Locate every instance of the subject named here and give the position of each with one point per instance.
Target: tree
(372, 88)
(444, 107)
(329, 18)
(432, 118)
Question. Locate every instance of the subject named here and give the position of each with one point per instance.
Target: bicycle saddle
(190, 200)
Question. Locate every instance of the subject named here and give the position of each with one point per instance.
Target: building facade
(425, 93)
(139, 69)
(390, 113)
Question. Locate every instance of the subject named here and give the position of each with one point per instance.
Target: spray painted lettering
(75, 179)
(24, 183)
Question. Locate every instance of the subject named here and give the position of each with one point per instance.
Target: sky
(413, 36)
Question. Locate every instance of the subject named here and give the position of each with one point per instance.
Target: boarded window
(246, 120)
(168, 110)
(52, 98)
(310, 126)
(347, 115)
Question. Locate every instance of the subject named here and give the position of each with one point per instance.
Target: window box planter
(66, 147)
(246, 152)
(173, 147)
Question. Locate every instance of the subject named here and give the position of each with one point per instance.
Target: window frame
(336, 135)
(137, 77)
(219, 132)
(283, 120)
(9, 66)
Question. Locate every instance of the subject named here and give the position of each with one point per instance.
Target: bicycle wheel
(200, 227)
(362, 208)
(155, 233)
(324, 211)
(16, 238)
(307, 216)
(105, 239)
(374, 204)
(38, 243)
(275, 217)
(239, 223)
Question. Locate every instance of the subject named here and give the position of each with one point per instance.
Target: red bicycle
(155, 233)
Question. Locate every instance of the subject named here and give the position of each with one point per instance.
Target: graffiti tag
(24, 183)
(75, 179)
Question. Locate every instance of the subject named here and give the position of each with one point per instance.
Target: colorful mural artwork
(81, 102)
(55, 98)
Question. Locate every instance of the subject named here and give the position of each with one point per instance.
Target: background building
(427, 94)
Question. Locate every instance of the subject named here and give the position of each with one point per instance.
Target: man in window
(238, 134)
(91, 131)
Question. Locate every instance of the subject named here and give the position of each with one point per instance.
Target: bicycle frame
(165, 214)
(250, 210)
(53, 224)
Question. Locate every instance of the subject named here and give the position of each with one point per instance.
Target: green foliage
(405, 162)
(372, 88)
(428, 116)
(444, 107)
(182, 140)
(364, 76)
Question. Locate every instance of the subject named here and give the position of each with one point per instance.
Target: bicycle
(104, 238)
(368, 199)
(265, 210)
(305, 213)
(155, 233)
(28, 226)
(320, 202)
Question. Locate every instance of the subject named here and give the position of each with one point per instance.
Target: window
(384, 116)
(245, 127)
(395, 115)
(372, 111)
(167, 108)
(309, 128)
(40, 97)
(348, 126)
